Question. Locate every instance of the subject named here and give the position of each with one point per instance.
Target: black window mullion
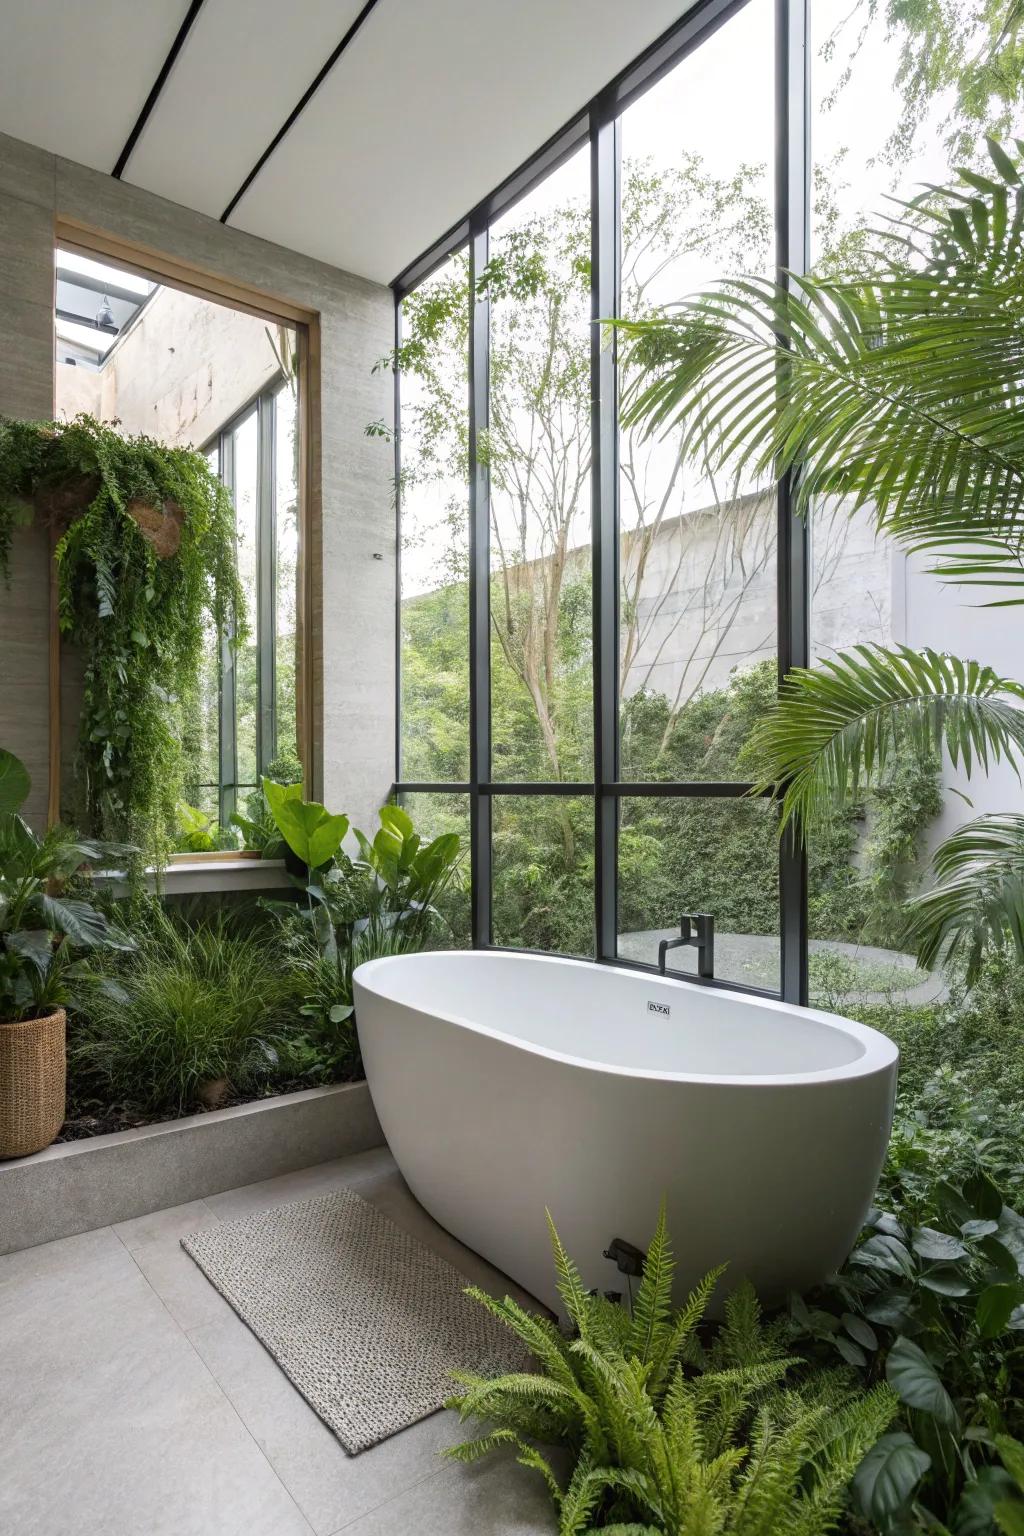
(266, 584)
(479, 595)
(792, 230)
(604, 435)
(228, 748)
(397, 398)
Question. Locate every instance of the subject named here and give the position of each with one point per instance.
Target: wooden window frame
(204, 283)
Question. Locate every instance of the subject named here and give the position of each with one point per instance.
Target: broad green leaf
(80, 921)
(851, 1352)
(34, 945)
(15, 782)
(979, 1227)
(917, 1383)
(984, 1197)
(860, 1330)
(310, 830)
(1009, 1516)
(883, 1252)
(946, 1280)
(995, 1307)
(930, 1244)
(340, 1012)
(1005, 1264)
(891, 1309)
(975, 1511)
(888, 1475)
(397, 820)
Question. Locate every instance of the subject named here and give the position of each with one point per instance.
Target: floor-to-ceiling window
(248, 710)
(587, 625)
(698, 646)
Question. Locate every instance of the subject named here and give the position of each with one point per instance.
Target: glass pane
(698, 598)
(543, 872)
(435, 527)
(709, 855)
(432, 816)
(286, 493)
(880, 130)
(538, 450)
(201, 734)
(245, 477)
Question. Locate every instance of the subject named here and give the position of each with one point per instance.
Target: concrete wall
(950, 618)
(353, 619)
(184, 368)
(708, 603)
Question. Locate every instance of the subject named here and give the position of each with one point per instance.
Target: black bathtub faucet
(697, 930)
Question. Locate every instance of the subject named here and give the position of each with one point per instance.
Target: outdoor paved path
(753, 960)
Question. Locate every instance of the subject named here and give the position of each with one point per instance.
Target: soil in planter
(92, 1117)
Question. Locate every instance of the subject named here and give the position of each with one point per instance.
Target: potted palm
(897, 389)
(42, 929)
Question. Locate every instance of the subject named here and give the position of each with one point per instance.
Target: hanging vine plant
(145, 550)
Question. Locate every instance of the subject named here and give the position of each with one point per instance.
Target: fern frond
(539, 1334)
(653, 1305)
(570, 1286)
(680, 1335)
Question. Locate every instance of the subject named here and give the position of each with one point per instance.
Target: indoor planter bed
(76, 1186)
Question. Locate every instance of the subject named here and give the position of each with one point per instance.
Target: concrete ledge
(77, 1186)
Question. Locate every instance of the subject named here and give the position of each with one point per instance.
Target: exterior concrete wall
(949, 618)
(707, 602)
(184, 368)
(352, 623)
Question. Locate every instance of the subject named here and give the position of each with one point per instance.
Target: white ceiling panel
(430, 107)
(74, 74)
(244, 66)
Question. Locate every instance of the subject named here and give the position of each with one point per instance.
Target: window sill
(185, 876)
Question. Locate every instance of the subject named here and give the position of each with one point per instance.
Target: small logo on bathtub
(659, 1008)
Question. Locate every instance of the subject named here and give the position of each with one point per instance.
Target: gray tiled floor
(135, 1403)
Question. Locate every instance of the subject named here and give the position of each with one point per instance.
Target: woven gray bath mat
(364, 1320)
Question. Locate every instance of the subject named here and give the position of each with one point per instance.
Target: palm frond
(899, 391)
(835, 724)
(978, 898)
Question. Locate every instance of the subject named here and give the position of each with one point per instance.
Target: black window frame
(598, 124)
(264, 407)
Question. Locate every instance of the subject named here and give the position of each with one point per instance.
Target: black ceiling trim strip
(161, 80)
(303, 102)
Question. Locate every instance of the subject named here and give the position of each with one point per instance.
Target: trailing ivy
(144, 543)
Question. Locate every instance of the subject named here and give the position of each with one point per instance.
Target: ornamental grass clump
(674, 1427)
(192, 1013)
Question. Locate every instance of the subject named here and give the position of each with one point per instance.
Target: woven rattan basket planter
(32, 1083)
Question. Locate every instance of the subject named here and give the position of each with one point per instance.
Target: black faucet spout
(696, 931)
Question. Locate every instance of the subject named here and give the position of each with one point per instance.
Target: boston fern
(673, 1434)
(897, 390)
(145, 549)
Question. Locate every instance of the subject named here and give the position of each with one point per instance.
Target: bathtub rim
(880, 1054)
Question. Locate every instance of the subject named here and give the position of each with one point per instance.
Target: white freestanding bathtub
(507, 1083)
